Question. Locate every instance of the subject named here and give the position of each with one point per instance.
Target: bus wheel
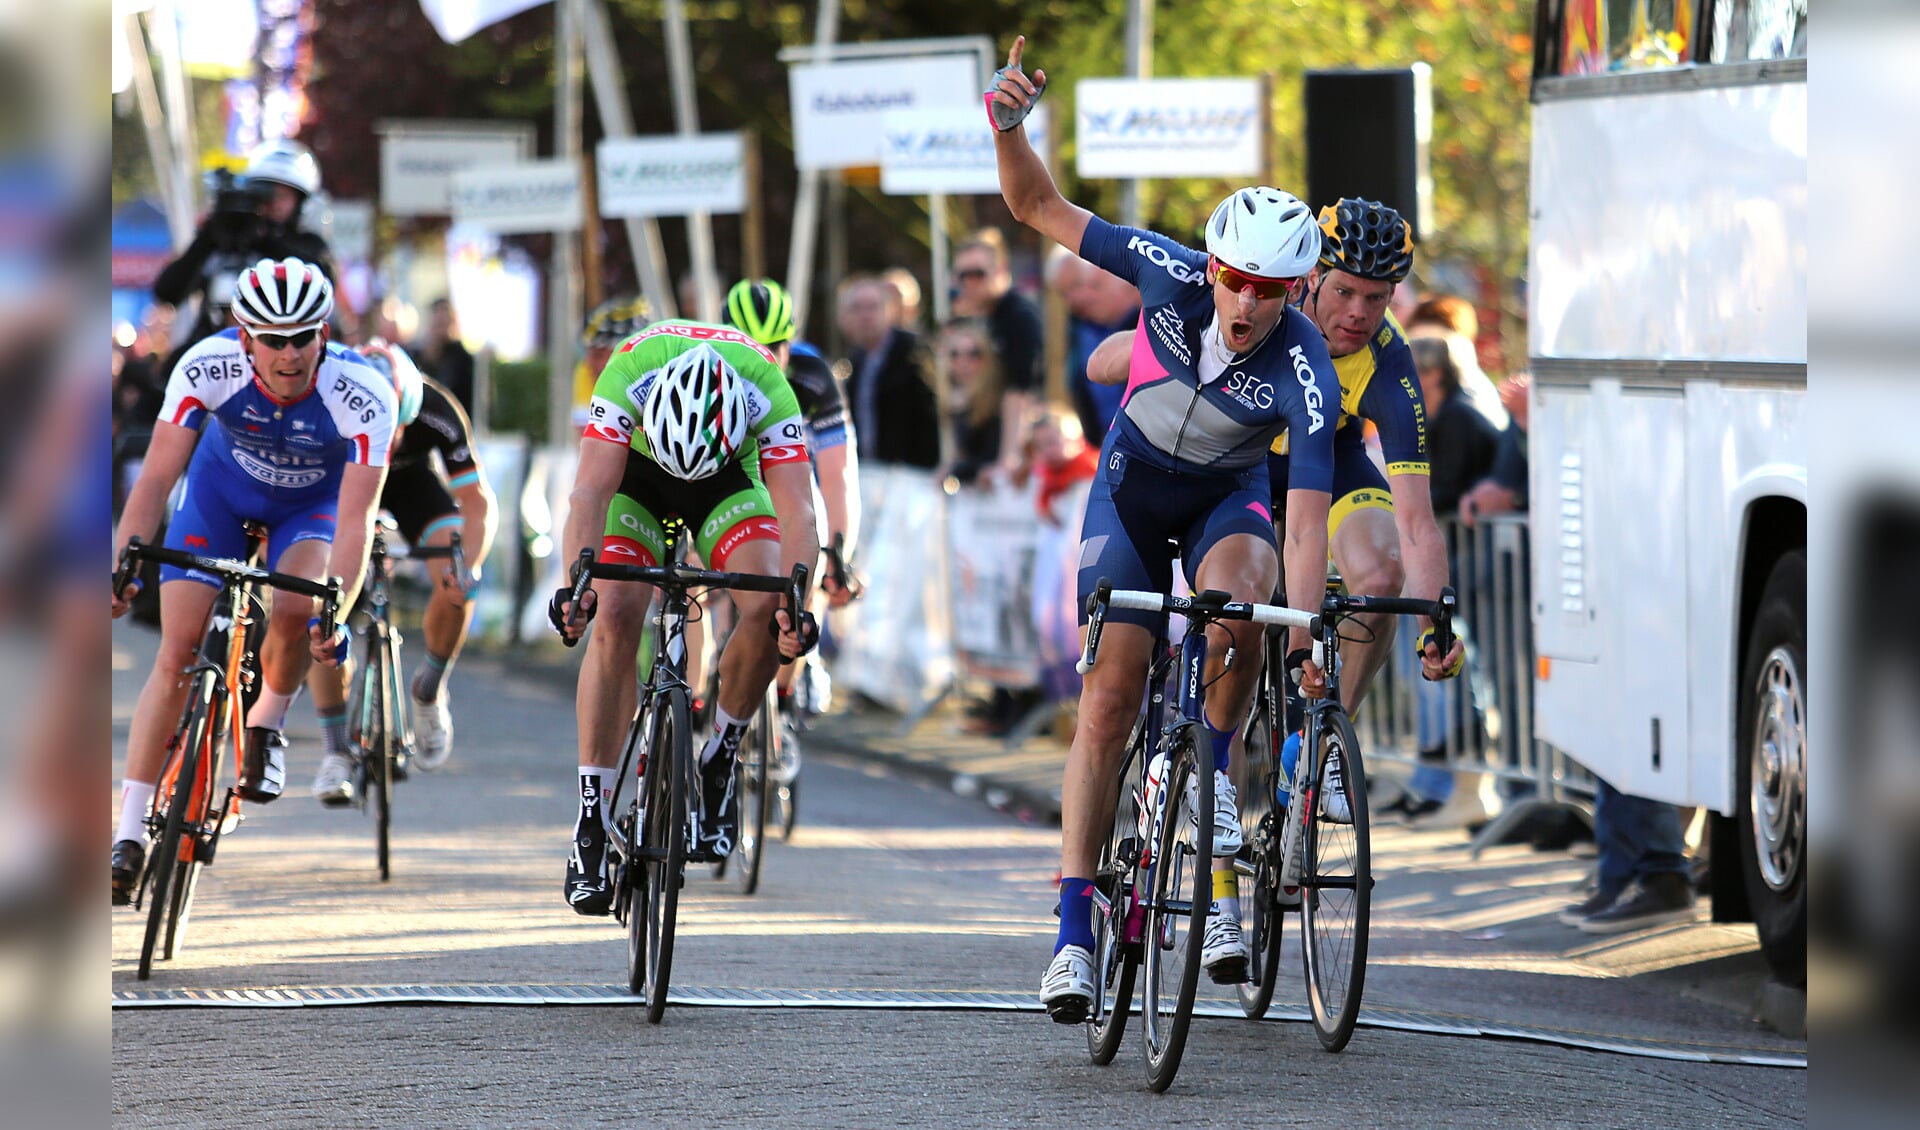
(1772, 787)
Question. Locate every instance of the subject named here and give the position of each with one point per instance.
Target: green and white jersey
(776, 431)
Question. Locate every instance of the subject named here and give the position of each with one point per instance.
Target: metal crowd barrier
(1484, 719)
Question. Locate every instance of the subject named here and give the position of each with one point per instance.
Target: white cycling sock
(600, 775)
(270, 711)
(726, 728)
(135, 797)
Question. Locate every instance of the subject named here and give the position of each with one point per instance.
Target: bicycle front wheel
(750, 790)
(664, 840)
(1338, 878)
(376, 757)
(1116, 959)
(1176, 925)
(1261, 917)
(169, 868)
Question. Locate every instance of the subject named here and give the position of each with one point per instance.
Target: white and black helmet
(284, 296)
(1264, 231)
(694, 414)
(285, 162)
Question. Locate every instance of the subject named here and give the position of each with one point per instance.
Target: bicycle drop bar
(451, 549)
(837, 567)
(233, 572)
(1209, 605)
(1441, 611)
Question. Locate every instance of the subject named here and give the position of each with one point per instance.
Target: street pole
(164, 28)
(610, 98)
(563, 304)
(806, 203)
(1139, 64)
(686, 117)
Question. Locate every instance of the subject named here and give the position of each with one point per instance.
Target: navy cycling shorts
(1140, 517)
(211, 521)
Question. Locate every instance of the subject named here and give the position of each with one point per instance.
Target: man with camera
(254, 216)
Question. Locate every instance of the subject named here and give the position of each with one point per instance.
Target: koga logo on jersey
(357, 397)
(1303, 372)
(1249, 390)
(1157, 255)
(1168, 331)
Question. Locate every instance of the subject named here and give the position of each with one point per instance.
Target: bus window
(1759, 29)
(1598, 36)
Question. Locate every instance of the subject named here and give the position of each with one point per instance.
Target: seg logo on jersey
(1157, 255)
(1303, 372)
(1249, 390)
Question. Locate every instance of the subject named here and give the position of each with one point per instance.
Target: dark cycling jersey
(1379, 384)
(821, 399)
(441, 426)
(1191, 407)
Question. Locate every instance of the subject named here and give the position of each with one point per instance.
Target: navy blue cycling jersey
(1191, 406)
(821, 401)
(280, 451)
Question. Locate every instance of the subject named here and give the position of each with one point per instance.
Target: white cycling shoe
(1224, 949)
(432, 732)
(334, 783)
(1226, 812)
(1067, 988)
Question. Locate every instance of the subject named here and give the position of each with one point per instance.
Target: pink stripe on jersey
(1143, 366)
(1265, 514)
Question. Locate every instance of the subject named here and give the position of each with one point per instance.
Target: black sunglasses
(971, 273)
(287, 341)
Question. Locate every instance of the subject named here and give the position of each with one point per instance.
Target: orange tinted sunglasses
(1238, 280)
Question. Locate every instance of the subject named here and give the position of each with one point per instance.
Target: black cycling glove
(809, 631)
(557, 616)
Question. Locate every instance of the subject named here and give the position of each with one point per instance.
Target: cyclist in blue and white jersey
(1221, 365)
(297, 432)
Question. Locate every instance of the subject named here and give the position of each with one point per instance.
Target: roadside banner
(1189, 127)
(993, 530)
(532, 196)
(350, 229)
(896, 642)
(839, 109)
(946, 151)
(671, 175)
(418, 160)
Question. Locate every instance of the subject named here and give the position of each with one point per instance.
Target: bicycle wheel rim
(1115, 963)
(1182, 871)
(750, 772)
(163, 866)
(186, 880)
(666, 840)
(1261, 919)
(1337, 901)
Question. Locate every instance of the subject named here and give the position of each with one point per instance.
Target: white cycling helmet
(1265, 232)
(285, 296)
(285, 162)
(694, 414)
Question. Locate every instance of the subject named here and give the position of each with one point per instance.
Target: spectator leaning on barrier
(1452, 319)
(1461, 440)
(890, 382)
(983, 282)
(1505, 487)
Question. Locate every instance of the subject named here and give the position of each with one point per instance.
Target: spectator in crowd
(1505, 486)
(890, 382)
(1642, 877)
(1059, 459)
(1099, 304)
(907, 287)
(440, 354)
(974, 388)
(983, 288)
(1452, 318)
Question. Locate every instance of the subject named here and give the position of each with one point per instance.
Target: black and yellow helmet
(614, 321)
(1365, 238)
(761, 309)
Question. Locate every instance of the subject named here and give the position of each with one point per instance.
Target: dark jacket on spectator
(891, 396)
(1462, 444)
(1014, 323)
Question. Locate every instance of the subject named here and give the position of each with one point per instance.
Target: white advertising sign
(950, 151)
(672, 176)
(417, 163)
(350, 235)
(838, 108)
(1167, 127)
(533, 196)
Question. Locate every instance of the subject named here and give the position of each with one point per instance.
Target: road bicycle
(647, 842)
(193, 804)
(1315, 855)
(379, 710)
(1154, 881)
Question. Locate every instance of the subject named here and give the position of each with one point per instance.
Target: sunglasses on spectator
(287, 341)
(968, 274)
(973, 354)
(1263, 287)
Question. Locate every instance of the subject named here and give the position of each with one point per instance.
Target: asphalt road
(889, 886)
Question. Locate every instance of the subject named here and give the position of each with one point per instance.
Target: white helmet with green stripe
(694, 415)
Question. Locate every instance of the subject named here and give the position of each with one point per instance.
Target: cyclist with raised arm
(297, 431)
(1221, 366)
(694, 421)
(428, 504)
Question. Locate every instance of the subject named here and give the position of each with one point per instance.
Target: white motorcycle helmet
(1264, 231)
(285, 162)
(694, 414)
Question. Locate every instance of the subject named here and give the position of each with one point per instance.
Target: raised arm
(1024, 181)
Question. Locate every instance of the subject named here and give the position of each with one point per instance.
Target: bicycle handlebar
(1206, 606)
(678, 576)
(1440, 611)
(230, 572)
(838, 570)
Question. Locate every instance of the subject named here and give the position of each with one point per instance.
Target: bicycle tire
(669, 770)
(164, 867)
(1182, 866)
(1261, 917)
(1116, 962)
(789, 795)
(376, 759)
(750, 790)
(1338, 878)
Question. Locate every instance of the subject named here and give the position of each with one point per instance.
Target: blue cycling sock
(1076, 914)
(431, 677)
(333, 727)
(1222, 741)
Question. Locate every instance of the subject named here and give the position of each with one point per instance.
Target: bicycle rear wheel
(376, 756)
(664, 840)
(1261, 918)
(1116, 961)
(167, 870)
(750, 791)
(1338, 878)
(1182, 885)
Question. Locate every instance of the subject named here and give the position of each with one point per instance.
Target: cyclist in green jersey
(694, 421)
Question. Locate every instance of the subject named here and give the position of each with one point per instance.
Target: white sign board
(417, 163)
(950, 151)
(839, 108)
(672, 176)
(1186, 127)
(350, 234)
(533, 196)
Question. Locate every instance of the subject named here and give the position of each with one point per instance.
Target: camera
(234, 218)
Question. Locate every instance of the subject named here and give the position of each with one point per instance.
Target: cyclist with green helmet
(695, 421)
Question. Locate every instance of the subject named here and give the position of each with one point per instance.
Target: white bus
(1667, 307)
